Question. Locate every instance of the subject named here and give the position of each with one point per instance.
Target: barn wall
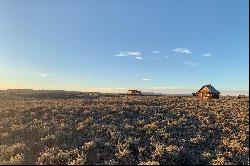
(206, 95)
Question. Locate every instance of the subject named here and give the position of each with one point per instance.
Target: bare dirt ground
(117, 130)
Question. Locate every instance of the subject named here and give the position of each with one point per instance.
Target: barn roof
(211, 89)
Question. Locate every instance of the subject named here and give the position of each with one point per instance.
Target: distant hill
(19, 90)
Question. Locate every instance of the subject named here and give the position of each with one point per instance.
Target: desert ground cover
(121, 130)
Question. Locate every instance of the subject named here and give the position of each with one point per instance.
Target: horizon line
(110, 88)
(150, 90)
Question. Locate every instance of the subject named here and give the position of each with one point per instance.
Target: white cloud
(42, 74)
(145, 79)
(136, 53)
(155, 52)
(138, 57)
(207, 54)
(166, 56)
(182, 50)
(121, 54)
(190, 63)
(129, 53)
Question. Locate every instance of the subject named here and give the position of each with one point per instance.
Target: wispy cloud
(129, 53)
(145, 79)
(190, 63)
(140, 58)
(90, 76)
(166, 56)
(42, 74)
(207, 54)
(155, 52)
(182, 50)
(152, 57)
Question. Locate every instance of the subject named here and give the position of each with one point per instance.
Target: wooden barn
(134, 92)
(207, 92)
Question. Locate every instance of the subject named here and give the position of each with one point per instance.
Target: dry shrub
(56, 156)
(149, 163)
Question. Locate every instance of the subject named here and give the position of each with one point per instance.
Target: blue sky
(119, 44)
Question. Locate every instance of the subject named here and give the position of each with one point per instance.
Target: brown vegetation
(112, 130)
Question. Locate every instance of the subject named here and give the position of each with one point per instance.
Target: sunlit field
(98, 129)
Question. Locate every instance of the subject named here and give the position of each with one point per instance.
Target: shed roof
(211, 89)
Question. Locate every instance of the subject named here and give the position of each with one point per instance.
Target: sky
(113, 45)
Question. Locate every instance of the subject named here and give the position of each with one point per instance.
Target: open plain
(50, 128)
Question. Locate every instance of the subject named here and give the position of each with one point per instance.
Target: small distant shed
(241, 97)
(207, 92)
(134, 92)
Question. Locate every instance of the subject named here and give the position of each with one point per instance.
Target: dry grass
(142, 130)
